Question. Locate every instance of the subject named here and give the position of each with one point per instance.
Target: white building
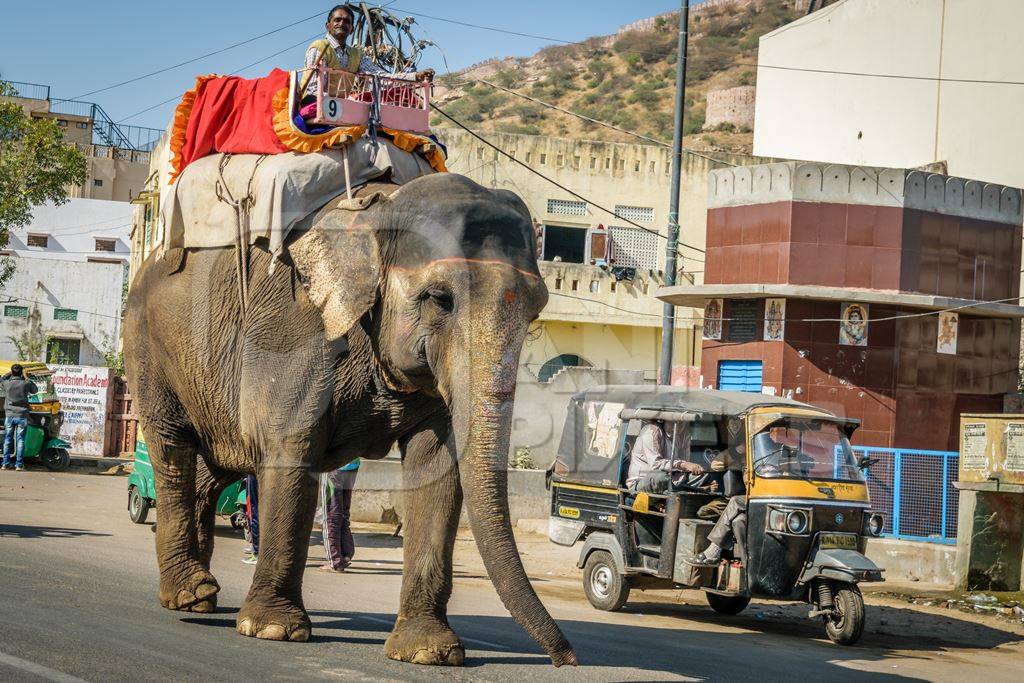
(63, 303)
(898, 84)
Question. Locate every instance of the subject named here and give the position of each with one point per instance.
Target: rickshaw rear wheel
(56, 459)
(727, 604)
(138, 507)
(605, 587)
(847, 625)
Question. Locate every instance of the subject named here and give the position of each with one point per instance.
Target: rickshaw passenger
(649, 468)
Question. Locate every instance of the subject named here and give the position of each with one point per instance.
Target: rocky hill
(626, 79)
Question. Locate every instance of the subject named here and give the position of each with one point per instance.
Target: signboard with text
(84, 394)
(992, 448)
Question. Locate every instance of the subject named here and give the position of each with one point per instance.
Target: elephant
(400, 323)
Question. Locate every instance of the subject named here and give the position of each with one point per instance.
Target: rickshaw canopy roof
(676, 399)
(31, 367)
(589, 448)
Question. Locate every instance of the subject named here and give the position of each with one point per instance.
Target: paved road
(78, 602)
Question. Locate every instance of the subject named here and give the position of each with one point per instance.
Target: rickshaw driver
(731, 527)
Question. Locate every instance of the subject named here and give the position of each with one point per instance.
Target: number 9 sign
(332, 109)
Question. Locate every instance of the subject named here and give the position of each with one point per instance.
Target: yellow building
(602, 312)
(117, 155)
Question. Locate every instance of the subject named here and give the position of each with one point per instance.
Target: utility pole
(668, 322)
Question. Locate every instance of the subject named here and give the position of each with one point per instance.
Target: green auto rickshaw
(142, 491)
(42, 436)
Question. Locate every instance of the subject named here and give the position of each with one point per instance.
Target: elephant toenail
(272, 632)
(205, 590)
(299, 635)
(245, 627)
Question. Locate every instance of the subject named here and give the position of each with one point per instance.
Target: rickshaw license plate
(841, 541)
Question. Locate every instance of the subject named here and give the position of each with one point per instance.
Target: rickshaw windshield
(801, 448)
(45, 384)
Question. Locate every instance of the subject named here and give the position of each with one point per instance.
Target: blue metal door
(740, 375)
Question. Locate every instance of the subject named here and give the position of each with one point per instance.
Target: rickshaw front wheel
(727, 604)
(846, 626)
(605, 587)
(138, 507)
(56, 459)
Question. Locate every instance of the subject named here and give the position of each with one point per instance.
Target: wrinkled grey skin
(405, 325)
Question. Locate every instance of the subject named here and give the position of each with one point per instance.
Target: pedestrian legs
(336, 492)
(14, 440)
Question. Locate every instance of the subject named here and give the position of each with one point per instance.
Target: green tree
(36, 166)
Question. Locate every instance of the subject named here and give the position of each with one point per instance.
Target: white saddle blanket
(285, 188)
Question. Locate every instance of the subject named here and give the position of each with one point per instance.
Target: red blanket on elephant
(232, 115)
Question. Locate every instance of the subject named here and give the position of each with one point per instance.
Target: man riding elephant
(402, 323)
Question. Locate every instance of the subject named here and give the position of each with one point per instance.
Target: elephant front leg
(433, 500)
(273, 610)
(185, 581)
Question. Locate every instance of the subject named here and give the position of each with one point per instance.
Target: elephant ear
(338, 262)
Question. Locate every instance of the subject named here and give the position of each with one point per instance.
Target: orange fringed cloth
(232, 115)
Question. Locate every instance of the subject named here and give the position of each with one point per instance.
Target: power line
(196, 59)
(177, 98)
(554, 182)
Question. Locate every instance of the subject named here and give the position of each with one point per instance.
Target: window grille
(106, 245)
(16, 311)
(97, 182)
(634, 248)
(566, 207)
(38, 241)
(65, 314)
(643, 214)
(63, 351)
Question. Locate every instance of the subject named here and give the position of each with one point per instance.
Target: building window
(566, 207)
(595, 286)
(480, 153)
(42, 241)
(63, 351)
(529, 156)
(621, 165)
(576, 163)
(593, 163)
(12, 311)
(543, 159)
(82, 124)
(634, 248)
(147, 236)
(103, 244)
(560, 160)
(559, 363)
(97, 182)
(564, 244)
(607, 163)
(651, 168)
(65, 314)
(636, 166)
(644, 214)
(62, 123)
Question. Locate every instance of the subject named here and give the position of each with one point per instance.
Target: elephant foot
(274, 623)
(424, 642)
(196, 593)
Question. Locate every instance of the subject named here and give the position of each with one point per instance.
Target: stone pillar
(990, 538)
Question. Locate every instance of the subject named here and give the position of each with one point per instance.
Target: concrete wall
(93, 289)
(72, 229)
(897, 122)
(378, 493)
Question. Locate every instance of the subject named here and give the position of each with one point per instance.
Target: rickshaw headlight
(797, 522)
(875, 524)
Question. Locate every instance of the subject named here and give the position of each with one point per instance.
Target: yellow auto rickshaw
(42, 437)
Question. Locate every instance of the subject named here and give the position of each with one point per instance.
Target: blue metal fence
(914, 490)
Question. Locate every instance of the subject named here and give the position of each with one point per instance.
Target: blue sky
(77, 47)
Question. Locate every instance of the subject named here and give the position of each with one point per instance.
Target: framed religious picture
(713, 319)
(853, 324)
(774, 319)
(948, 324)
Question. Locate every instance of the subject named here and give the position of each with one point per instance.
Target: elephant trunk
(486, 414)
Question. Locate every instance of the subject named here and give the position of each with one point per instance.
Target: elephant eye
(441, 298)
